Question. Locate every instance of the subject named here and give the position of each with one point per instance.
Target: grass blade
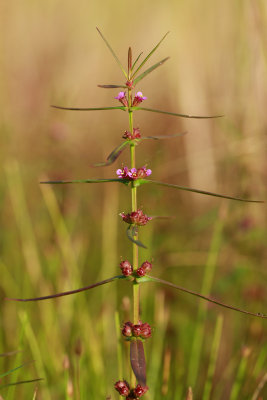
(83, 181)
(112, 86)
(113, 155)
(160, 137)
(204, 192)
(149, 70)
(113, 53)
(138, 361)
(20, 382)
(177, 115)
(149, 55)
(211, 300)
(89, 109)
(52, 296)
(14, 369)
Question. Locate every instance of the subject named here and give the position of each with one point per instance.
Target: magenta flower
(138, 98)
(136, 218)
(122, 98)
(131, 136)
(133, 173)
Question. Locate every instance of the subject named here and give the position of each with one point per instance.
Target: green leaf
(52, 296)
(204, 192)
(20, 382)
(177, 115)
(131, 232)
(112, 86)
(84, 181)
(163, 136)
(149, 55)
(144, 74)
(113, 53)
(136, 60)
(113, 155)
(90, 109)
(14, 369)
(211, 300)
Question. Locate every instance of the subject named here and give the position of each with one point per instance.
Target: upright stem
(136, 291)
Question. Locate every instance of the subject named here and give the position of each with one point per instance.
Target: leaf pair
(146, 278)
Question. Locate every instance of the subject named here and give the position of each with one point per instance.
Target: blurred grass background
(57, 238)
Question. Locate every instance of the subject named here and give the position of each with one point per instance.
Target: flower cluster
(133, 173)
(131, 136)
(138, 98)
(124, 390)
(144, 269)
(136, 218)
(141, 330)
(126, 268)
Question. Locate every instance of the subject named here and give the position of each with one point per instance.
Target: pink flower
(138, 98)
(136, 218)
(133, 173)
(122, 98)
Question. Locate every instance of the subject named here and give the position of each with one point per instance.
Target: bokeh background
(59, 238)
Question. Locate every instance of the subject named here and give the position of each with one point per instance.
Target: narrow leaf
(134, 64)
(89, 109)
(163, 136)
(10, 353)
(131, 232)
(149, 55)
(138, 361)
(112, 52)
(177, 115)
(83, 181)
(204, 192)
(211, 300)
(14, 369)
(52, 296)
(20, 382)
(113, 155)
(112, 86)
(130, 61)
(149, 70)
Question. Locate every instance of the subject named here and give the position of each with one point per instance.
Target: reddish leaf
(138, 361)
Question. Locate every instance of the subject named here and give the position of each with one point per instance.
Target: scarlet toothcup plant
(136, 331)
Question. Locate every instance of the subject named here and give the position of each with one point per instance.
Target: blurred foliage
(60, 238)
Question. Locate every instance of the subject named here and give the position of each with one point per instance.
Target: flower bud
(147, 266)
(140, 390)
(127, 329)
(126, 268)
(122, 387)
(141, 271)
(136, 217)
(145, 331)
(136, 330)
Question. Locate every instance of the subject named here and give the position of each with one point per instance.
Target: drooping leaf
(149, 70)
(131, 232)
(113, 155)
(112, 86)
(89, 109)
(149, 55)
(83, 181)
(211, 300)
(112, 52)
(160, 137)
(53, 296)
(20, 382)
(204, 192)
(134, 64)
(177, 115)
(138, 361)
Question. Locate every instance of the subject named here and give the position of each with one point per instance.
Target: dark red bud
(141, 271)
(127, 329)
(145, 330)
(122, 387)
(147, 266)
(126, 268)
(140, 390)
(136, 330)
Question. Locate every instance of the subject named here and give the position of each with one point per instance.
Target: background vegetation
(60, 238)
